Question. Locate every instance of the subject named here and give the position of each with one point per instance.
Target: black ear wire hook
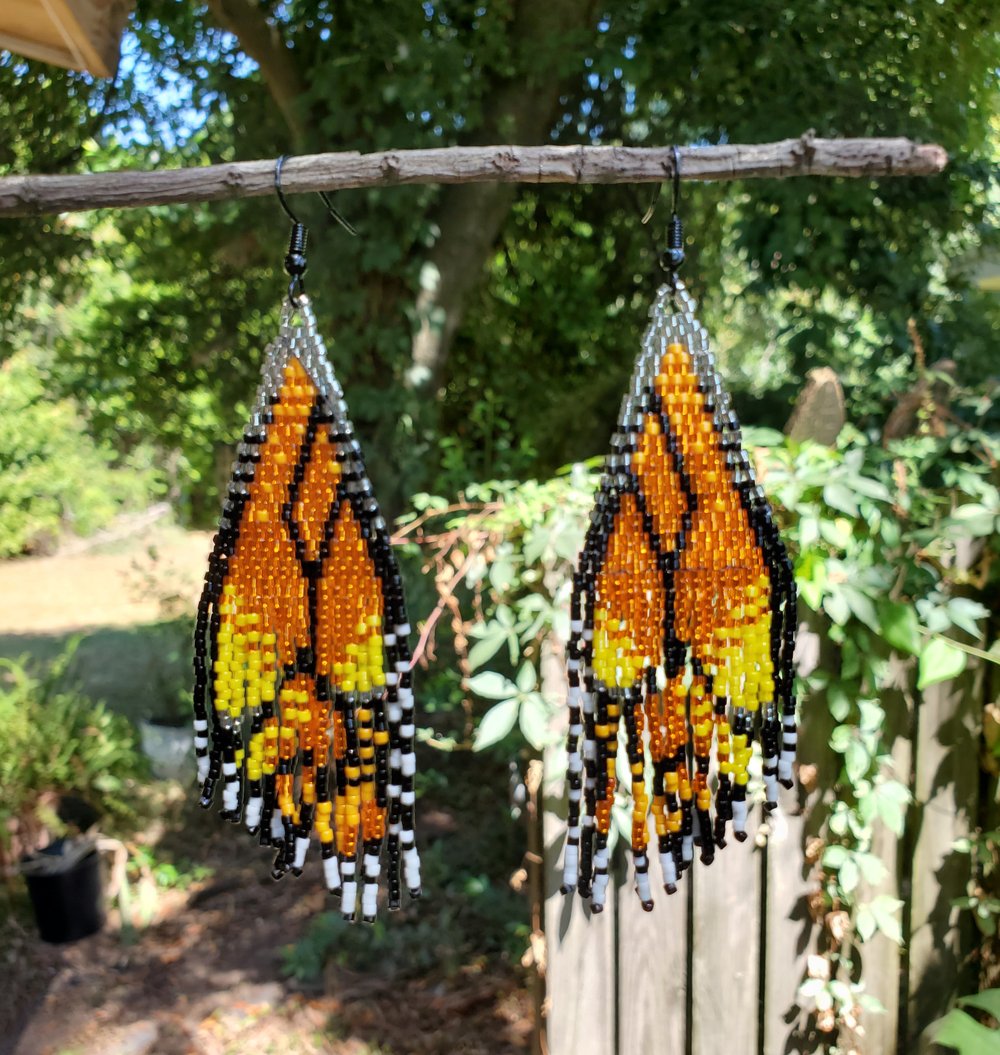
(673, 256)
(295, 258)
(677, 180)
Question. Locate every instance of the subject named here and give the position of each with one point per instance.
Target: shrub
(53, 476)
(56, 741)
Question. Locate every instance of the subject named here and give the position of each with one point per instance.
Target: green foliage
(983, 898)
(58, 741)
(875, 534)
(966, 1034)
(792, 273)
(516, 546)
(178, 874)
(54, 478)
(469, 914)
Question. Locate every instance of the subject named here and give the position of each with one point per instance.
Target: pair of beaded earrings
(683, 623)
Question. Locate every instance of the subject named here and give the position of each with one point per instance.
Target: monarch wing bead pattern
(303, 702)
(683, 619)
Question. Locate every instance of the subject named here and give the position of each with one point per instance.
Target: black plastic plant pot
(69, 904)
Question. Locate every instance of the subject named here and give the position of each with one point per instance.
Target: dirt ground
(205, 978)
(121, 584)
(206, 974)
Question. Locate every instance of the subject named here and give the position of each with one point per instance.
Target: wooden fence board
(946, 791)
(726, 951)
(882, 958)
(652, 970)
(580, 958)
(790, 933)
(789, 929)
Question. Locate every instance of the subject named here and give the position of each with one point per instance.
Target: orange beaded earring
(303, 700)
(683, 617)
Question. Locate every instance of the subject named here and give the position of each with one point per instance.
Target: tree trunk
(470, 217)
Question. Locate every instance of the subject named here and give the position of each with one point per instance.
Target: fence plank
(580, 957)
(946, 790)
(580, 965)
(882, 959)
(726, 950)
(652, 971)
(790, 933)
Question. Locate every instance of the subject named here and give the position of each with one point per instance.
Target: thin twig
(439, 608)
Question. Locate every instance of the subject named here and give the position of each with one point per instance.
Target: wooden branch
(806, 156)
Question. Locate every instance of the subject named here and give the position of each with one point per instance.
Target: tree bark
(470, 217)
(264, 43)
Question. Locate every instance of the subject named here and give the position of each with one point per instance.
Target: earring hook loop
(295, 258)
(676, 181)
(281, 194)
(330, 207)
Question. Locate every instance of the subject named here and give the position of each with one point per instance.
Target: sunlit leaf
(899, 625)
(492, 686)
(533, 719)
(967, 1036)
(939, 661)
(495, 724)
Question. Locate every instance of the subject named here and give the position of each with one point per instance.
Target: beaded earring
(302, 699)
(683, 617)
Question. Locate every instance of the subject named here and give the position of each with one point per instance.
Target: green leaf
(757, 436)
(533, 719)
(838, 822)
(885, 909)
(488, 645)
(988, 1001)
(492, 686)
(865, 924)
(835, 606)
(963, 1033)
(527, 677)
(808, 531)
(899, 625)
(495, 724)
(986, 920)
(856, 761)
(838, 495)
(841, 738)
(837, 532)
(871, 1004)
(890, 533)
(501, 574)
(841, 992)
(967, 614)
(849, 876)
(838, 701)
(861, 606)
(892, 799)
(810, 988)
(834, 857)
(864, 485)
(939, 661)
(872, 716)
(873, 870)
(974, 520)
